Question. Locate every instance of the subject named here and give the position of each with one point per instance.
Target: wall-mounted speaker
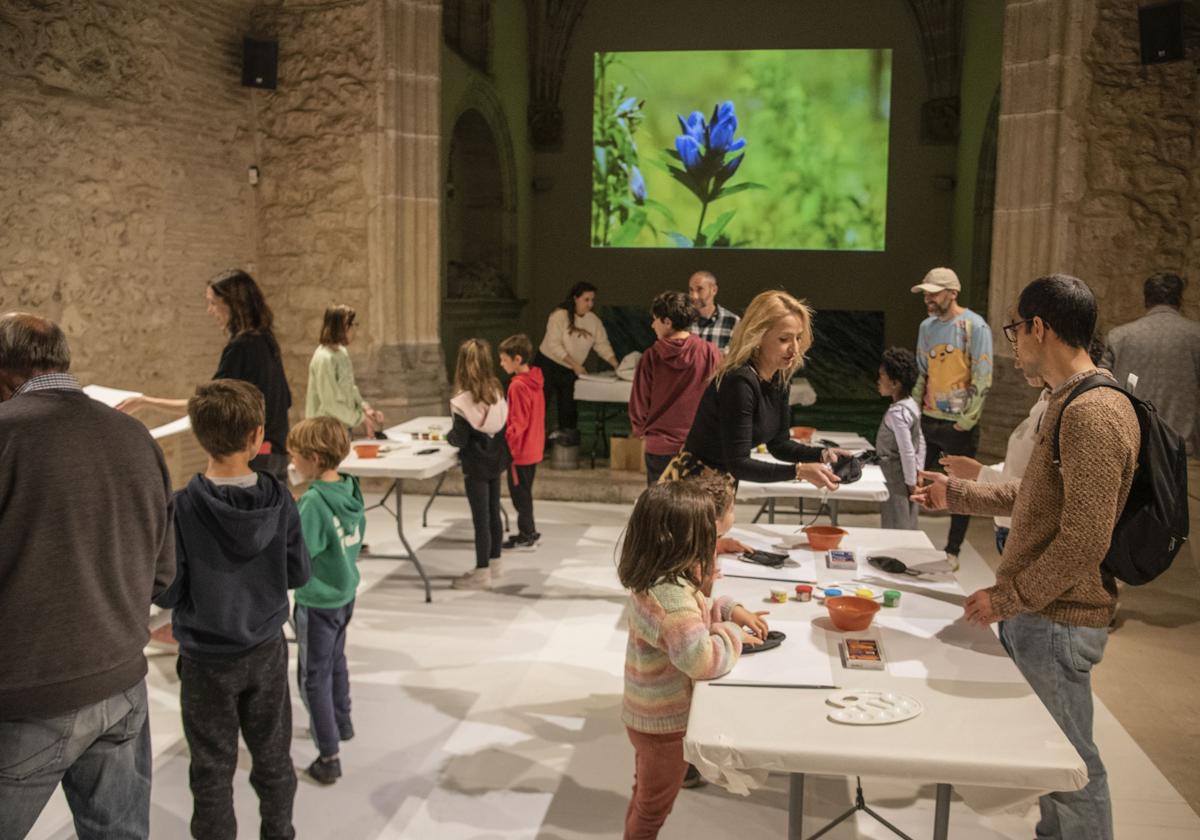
(259, 60)
(1161, 28)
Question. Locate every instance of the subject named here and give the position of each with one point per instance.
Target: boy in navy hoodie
(239, 549)
(333, 518)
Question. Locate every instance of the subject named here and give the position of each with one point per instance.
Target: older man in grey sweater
(1162, 349)
(85, 540)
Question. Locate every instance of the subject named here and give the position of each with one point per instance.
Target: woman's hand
(818, 475)
(832, 453)
(580, 370)
(932, 494)
(131, 404)
(960, 466)
(753, 621)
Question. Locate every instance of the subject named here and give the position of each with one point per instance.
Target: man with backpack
(1053, 597)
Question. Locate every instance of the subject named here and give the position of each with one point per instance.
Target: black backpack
(1154, 524)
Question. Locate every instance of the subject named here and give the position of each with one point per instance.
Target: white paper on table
(111, 397)
(959, 651)
(609, 376)
(183, 424)
(802, 659)
(799, 565)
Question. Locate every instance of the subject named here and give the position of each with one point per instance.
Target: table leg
(796, 806)
(771, 511)
(941, 814)
(398, 488)
(833, 512)
(761, 510)
(436, 489)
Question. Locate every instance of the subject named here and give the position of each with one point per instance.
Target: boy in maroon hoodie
(670, 380)
(526, 433)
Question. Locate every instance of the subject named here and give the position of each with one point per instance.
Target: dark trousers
(275, 463)
(219, 697)
(483, 495)
(941, 438)
(655, 464)
(321, 672)
(521, 493)
(559, 385)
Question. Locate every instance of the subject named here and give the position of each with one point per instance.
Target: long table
(402, 461)
(982, 729)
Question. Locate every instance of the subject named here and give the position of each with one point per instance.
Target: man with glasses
(954, 354)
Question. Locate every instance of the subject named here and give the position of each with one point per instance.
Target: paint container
(803, 592)
(864, 593)
(891, 598)
(779, 596)
(832, 593)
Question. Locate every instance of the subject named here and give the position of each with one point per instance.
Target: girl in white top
(572, 332)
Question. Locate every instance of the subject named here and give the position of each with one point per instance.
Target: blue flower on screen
(637, 185)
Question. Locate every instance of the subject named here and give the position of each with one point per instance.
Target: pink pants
(658, 775)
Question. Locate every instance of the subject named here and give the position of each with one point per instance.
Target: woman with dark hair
(572, 331)
(252, 355)
(332, 390)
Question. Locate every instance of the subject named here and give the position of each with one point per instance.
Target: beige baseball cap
(938, 280)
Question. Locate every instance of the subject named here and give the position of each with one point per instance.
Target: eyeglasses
(1010, 330)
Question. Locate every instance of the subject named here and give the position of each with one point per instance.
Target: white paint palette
(872, 708)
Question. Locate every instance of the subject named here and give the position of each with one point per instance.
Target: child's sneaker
(496, 566)
(474, 579)
(345, 731)
(325, 771)
(522, 543)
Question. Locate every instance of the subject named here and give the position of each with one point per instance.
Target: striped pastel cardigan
(675, 637)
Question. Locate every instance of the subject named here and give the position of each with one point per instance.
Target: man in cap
(954, 353)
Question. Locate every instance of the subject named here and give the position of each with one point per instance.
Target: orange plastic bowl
(824, 537)
(366, 450)
(849, 613)
(804, 433)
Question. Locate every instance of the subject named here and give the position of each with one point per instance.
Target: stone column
(1040, 180)
(405, 217)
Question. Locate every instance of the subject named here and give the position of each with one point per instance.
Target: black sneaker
(511, 543)
(345, 731)
(692, 779)
(325, 772)
(521, 543)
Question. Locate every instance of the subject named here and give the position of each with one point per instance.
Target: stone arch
(985, 202)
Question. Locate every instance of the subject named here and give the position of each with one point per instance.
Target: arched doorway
(479, 239)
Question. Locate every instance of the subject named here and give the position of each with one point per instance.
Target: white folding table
(870, 488)
(403, 461)
(982, 729)
(606, 389)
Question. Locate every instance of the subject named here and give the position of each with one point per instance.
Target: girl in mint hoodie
(333, 519)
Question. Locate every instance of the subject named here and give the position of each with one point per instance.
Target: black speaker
(1161, 28)
(259, 60)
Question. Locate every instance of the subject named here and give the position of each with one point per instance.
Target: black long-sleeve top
(251, 357)
(743, 412)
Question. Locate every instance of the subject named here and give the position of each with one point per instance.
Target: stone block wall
(124, 145)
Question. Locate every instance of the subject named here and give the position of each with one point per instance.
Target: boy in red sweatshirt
(526, 434)
(670, 380)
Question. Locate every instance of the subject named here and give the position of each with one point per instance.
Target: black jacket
(251, 357)
(238, 550)
(481, 455)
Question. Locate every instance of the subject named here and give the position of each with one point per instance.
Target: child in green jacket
(333, 519)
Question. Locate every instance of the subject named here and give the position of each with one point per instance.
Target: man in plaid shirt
(714, 323)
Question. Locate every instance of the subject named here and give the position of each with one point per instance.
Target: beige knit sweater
(1062, 518)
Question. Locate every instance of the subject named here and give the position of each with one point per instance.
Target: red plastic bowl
(366, 450)
(803, 433)
(849, 613)
(824, 537)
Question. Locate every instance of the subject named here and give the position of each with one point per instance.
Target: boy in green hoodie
(333, 519)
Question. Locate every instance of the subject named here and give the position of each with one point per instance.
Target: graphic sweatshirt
(333, 520)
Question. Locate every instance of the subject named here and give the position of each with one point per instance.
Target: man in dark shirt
(85, 514)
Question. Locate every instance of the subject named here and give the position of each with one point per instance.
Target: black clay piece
(765, 558)
(774, 639)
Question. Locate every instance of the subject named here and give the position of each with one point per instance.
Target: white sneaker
(952, 559)
(496, 566)
(474, 579)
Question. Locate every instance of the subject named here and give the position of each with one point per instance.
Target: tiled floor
(496, 714)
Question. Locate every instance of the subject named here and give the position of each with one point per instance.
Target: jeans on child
(659, 768)
(321, 671)
(101, 755)
(520, 490)
(483, 497)
(1057, 660)
(1001, 539)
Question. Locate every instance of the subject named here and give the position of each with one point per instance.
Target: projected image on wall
(741, 149)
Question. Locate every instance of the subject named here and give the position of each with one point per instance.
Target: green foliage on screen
(741, 149)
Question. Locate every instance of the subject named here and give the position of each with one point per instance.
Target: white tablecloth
(402, 461)
(869, 488)
(982, 730)
(609, 389)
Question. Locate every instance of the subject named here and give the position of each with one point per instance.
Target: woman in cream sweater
(572, 331)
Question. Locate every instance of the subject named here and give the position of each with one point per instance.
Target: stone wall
(124, 145)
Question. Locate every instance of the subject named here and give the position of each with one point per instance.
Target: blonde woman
(480, 418)
(746, 404)
(332, 390)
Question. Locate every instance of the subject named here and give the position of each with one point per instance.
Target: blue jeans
(321, 671)
(1001, 539)
(101, 755)
(1057, 660)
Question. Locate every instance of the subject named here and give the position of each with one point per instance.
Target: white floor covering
(490, 715)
